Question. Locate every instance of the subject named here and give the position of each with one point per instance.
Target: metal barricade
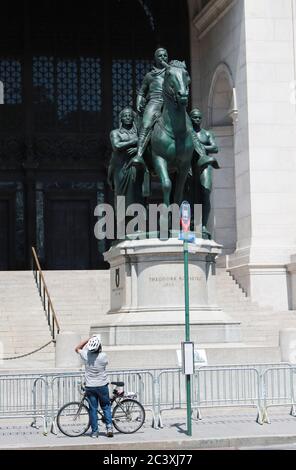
(142, 383)
(24, 396)
(67, 388)
(235, 386)
(227, 387)
(259, 385)
(278, 388)
(170, 392)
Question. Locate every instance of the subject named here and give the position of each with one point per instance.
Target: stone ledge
(210, 15)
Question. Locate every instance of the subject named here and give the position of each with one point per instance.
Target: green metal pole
(187, 334)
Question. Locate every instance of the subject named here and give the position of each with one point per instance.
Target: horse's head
(176, 83)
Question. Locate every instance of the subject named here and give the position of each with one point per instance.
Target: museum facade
(68, 70)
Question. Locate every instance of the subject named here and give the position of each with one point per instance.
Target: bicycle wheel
(128, 416)
(73, 419)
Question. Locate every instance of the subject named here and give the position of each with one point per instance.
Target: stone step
(37, 338)
(161, 356)
(23, 313)
(233, 297)
(12, 350)
(29, 334)
(22, 349)
(20, 364)
(81, 298)
(23, 324)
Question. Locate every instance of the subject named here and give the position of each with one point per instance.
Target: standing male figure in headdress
(202, 165)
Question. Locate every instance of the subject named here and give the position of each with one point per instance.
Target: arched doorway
(68, 69)
(221, 116)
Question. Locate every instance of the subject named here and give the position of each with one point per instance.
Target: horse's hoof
(206, 235)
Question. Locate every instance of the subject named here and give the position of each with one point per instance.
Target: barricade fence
(262, 386)
(278, 389)
(24, 396)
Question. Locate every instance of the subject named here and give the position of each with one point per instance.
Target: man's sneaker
(109, 432)
(94, 435)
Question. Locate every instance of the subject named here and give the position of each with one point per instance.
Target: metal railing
(40, 396)
(233, 386)
(228, 387)
(278, 388)
(45, 297)
(24, 396)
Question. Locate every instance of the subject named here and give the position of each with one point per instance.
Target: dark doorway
(68, 70)
(4, 234)
(68, 234)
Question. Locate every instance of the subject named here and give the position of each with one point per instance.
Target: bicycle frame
(115, 400)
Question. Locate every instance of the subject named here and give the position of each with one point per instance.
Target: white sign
(188, 358)
(200, 357)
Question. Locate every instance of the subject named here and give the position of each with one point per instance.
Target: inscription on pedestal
(171, 281)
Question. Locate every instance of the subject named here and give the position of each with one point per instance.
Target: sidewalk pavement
(219, 429)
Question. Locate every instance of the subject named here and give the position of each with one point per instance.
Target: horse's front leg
(180, 184)
(161, 168)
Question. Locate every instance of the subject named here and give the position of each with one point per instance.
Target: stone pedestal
(288, 345)
(147, 295)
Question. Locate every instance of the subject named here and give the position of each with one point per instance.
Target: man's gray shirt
(95, 365)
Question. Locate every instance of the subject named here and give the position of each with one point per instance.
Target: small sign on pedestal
(200, 358)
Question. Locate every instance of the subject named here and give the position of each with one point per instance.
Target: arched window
(221, 116)
(221, 98)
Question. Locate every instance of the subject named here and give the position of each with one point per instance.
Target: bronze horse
(171, 142)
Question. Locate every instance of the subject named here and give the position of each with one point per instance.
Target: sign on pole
(187, 357)
(185, 216)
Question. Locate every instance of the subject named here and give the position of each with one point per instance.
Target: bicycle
(128, 414)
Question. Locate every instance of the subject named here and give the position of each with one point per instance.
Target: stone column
(223, 214)
(218, 43)
(259, 263)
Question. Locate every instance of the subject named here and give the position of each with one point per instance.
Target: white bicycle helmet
(94, 343)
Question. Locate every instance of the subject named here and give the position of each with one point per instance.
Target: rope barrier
(28, 354)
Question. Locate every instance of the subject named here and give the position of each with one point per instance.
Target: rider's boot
(138, 160)
(206, 235)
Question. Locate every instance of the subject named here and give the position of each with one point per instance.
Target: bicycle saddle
(118, 384)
